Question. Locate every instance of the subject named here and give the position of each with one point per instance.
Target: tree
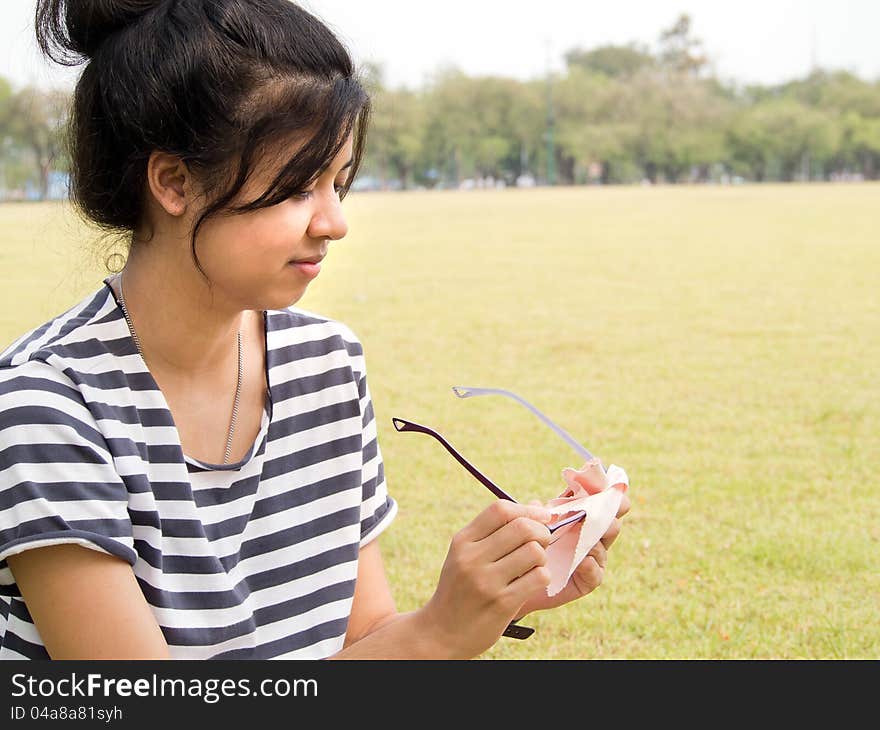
(860, 145)
(451, 125)
(593, 127)
(396, 134)
(783, 139)
(839, 90)
(680, 52)
(611, 60)
(37, 120)
(479, 127)
(527, 120)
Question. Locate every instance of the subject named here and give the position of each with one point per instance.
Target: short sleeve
(378, 508)
(57, 480)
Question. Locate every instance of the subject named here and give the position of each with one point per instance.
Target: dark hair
(218, 83)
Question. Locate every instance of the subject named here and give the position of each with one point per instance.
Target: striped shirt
(253, 560)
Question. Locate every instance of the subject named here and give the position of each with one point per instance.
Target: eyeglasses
(513, 630)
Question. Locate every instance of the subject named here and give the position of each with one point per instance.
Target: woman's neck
(183, 327)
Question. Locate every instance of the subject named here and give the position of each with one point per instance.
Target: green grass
(721, 344)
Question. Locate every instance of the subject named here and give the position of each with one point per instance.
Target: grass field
(721, 344)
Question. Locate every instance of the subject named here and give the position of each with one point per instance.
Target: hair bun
(71, 31)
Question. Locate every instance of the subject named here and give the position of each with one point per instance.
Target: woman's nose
(329, 219)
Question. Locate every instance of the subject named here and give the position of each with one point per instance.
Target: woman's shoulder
(308, 330)
(69, 342)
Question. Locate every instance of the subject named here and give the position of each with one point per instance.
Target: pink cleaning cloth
(598, 493)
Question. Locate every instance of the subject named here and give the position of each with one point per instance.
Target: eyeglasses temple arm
(402, 425)
(463, 392)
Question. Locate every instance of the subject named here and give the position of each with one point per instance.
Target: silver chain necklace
(235, 403)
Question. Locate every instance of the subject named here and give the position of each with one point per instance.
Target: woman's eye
(339, 188)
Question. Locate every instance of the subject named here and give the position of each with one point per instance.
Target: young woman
(188, 464)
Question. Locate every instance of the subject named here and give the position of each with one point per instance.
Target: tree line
(624, 114)
(616, 114)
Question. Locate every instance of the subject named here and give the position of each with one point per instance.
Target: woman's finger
(507, 538)
(520, 561)
(527, 585)
(599, 553)
(611, 533)
(498, 514)
(588, 575)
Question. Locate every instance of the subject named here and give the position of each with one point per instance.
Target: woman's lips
(311, 270)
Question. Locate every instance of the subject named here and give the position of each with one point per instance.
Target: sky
(747, 41)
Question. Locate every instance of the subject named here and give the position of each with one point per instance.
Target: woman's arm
(373, 604)
(375, 629)
(494, 564)
(87, 604)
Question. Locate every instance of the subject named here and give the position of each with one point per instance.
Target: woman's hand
(493, 565)
(589, 573)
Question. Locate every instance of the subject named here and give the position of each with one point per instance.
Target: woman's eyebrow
(342, 169)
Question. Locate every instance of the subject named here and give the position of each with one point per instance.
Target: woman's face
(258, 260)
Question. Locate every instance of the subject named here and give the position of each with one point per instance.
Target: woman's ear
(169, 181)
